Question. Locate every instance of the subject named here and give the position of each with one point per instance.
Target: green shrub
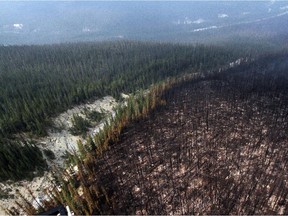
(49, 154)
(80, 125)
(95, 116)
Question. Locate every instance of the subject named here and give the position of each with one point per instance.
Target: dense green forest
(38, 82)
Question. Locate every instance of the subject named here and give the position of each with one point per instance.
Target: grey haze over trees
(56, 22)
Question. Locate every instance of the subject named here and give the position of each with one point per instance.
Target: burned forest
(214, 145)
(144, 108)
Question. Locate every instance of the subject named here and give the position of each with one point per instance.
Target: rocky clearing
(59, 140)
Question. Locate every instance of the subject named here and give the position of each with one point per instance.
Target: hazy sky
(61, 21)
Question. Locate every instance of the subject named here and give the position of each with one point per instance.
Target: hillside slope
(216, 145)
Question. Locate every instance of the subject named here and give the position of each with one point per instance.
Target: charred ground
(219, 146)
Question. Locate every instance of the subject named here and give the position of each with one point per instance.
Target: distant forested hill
(46, 22)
